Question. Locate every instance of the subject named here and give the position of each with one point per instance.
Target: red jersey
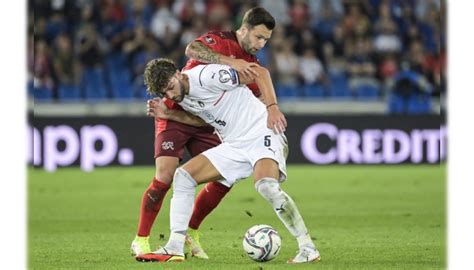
(225, 43)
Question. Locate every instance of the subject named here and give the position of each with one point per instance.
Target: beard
(246, 45)
(181, 93)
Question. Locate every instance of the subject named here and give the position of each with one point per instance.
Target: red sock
(207, 199)
(151, 205)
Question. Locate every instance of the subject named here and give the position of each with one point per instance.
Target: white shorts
(236, 160)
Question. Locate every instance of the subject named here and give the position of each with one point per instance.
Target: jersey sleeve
(219, 77)
(213, 41)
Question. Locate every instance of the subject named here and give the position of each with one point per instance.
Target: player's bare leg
(208, 197)
(151, 202)
(266, 173)
(197, 170)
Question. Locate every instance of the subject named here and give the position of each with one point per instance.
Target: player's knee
(165, 177)
(183, 182)
(164, 172)
(269, 188)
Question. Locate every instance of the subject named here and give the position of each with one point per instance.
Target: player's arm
(197, 50)
(276, 120)
(157, 109)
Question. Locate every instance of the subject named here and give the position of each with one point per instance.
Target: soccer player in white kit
(218, 95)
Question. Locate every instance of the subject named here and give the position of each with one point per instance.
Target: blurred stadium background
(362, 82)
(357, 65)
(388, 55)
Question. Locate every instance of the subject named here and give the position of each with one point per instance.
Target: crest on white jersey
(224, 76)
(227, 75)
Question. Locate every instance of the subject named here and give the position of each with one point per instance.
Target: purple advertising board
(91, 142)
(367, 139)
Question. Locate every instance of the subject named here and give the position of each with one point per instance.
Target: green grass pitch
(361, 217)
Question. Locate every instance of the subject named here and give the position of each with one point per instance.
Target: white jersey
(216, 96)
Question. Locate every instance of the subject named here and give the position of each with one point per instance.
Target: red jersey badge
(209, 40)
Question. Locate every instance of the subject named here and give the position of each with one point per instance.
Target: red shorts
(171, 138)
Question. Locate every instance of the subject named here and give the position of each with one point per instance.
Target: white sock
(286, 210)
(305, 241)
(175, 243)
(181, 207)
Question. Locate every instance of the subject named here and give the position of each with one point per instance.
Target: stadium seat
(339, 85)
(42, 93)
(314, 91)
(69, 92)
(367, 92)
(122, 91)
(116, 61)
(340, 91)
(419, 104)
(396, 104)
(120, 84)
(56, 27)
(30, 88)
(263, 57)
(414, 104)
(287, 91)
(139, 88)
(93, 81)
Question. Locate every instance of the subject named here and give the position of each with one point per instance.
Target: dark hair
(256, 16)
(157, 75)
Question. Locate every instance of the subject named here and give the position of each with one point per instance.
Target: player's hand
(276, 120)
(156, 108)
(244, 67)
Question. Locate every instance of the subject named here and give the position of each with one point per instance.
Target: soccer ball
(262, 243)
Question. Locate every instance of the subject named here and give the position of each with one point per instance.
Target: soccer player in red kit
(236, 49)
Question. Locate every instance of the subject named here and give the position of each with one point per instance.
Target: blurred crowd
(341, 49)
